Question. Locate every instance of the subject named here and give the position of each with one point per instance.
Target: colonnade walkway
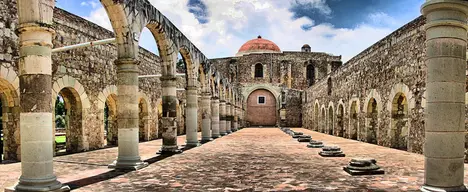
(252, 159)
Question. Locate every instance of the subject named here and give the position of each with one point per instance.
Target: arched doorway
(261, 108)
(372, 121)
(72, 119)
(399, 124)
(330, 120)
(353, 121)
(9, 123)
(339, 121)
(310, 74)
(110, 120)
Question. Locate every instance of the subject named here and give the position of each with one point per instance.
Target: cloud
(93, 4)
(227, 24)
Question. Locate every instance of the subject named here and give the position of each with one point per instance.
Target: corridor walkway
(253, 159)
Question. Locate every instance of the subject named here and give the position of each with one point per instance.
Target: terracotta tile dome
(258, 45)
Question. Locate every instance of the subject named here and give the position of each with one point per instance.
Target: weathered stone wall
(391, 67)
(89, 74)
(292, 106)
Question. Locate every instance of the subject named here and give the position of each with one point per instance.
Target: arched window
(258, 70)
(310, 74)
(330, 86)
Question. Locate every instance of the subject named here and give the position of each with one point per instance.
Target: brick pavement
(254, 159)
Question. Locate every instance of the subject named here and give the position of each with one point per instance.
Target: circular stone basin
(304, 136)
(298, 133)
(316, 142)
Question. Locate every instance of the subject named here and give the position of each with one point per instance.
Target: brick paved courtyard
(254, 159)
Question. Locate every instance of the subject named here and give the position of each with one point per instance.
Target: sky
(220, 27)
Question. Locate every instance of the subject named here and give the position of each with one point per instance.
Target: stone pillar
(169, 116)
(446, 36)
(215, 117)
(228, 118)
(35, 80)
(222, 117)
(127, 116)
(206, 117)
(191, 117)
(234, 128)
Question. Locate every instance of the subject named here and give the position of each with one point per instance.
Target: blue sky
(220, 27)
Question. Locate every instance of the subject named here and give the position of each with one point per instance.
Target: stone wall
(292, 106)
(375, 79)
(87, 74)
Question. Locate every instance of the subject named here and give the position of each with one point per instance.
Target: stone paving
(253, 159)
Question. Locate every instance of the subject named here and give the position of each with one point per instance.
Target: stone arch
(107, 103)
(323, 123)
(276, 91)
(372, 105)
(76, 105)
(331, 119)
(144, 117)
(191, 66)
(400, 104)
(262, 112)
(316, 115)
(353, 125)
(399, 125)
(340, 113)
(10, 108)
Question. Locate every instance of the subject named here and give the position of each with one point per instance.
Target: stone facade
(286, 71)
(384, 84)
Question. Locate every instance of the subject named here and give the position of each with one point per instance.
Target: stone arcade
(411, 98)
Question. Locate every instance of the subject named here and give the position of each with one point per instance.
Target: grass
(60, 139)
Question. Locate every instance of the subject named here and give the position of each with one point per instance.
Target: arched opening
(143, 120)
(258, 70)
(310, 74)
(340, 120)
(261, 108)
(180, 114)
(354, 122)
(146, 33)
(323, 123)
(9, 123)
(330, 120)
(329, 86)
(110, 120)
(160, 114)
(399, 124)
(68, 122)
(372, 121)
(316, 115)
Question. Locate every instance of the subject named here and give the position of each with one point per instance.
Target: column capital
(128, 65)
(433, 5)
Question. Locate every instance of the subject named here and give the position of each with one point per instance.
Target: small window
(259, 70)
(261, 100)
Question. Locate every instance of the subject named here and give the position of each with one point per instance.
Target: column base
(57, 188)
(206, 140)
(426, 188)
(191, 145)
(215, 136)
(132, 166)
(223, 134)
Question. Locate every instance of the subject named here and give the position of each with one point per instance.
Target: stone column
(222, 117)
(35, 80)
(228, 118)
(127, 116)
(215, 117)
(206, 117)
(191, 117)
(446, 36)
(169, 116)
(234, 128)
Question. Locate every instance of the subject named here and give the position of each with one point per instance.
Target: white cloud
(233, 22)
(93, 4)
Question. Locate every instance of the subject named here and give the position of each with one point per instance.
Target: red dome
(258, 45)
